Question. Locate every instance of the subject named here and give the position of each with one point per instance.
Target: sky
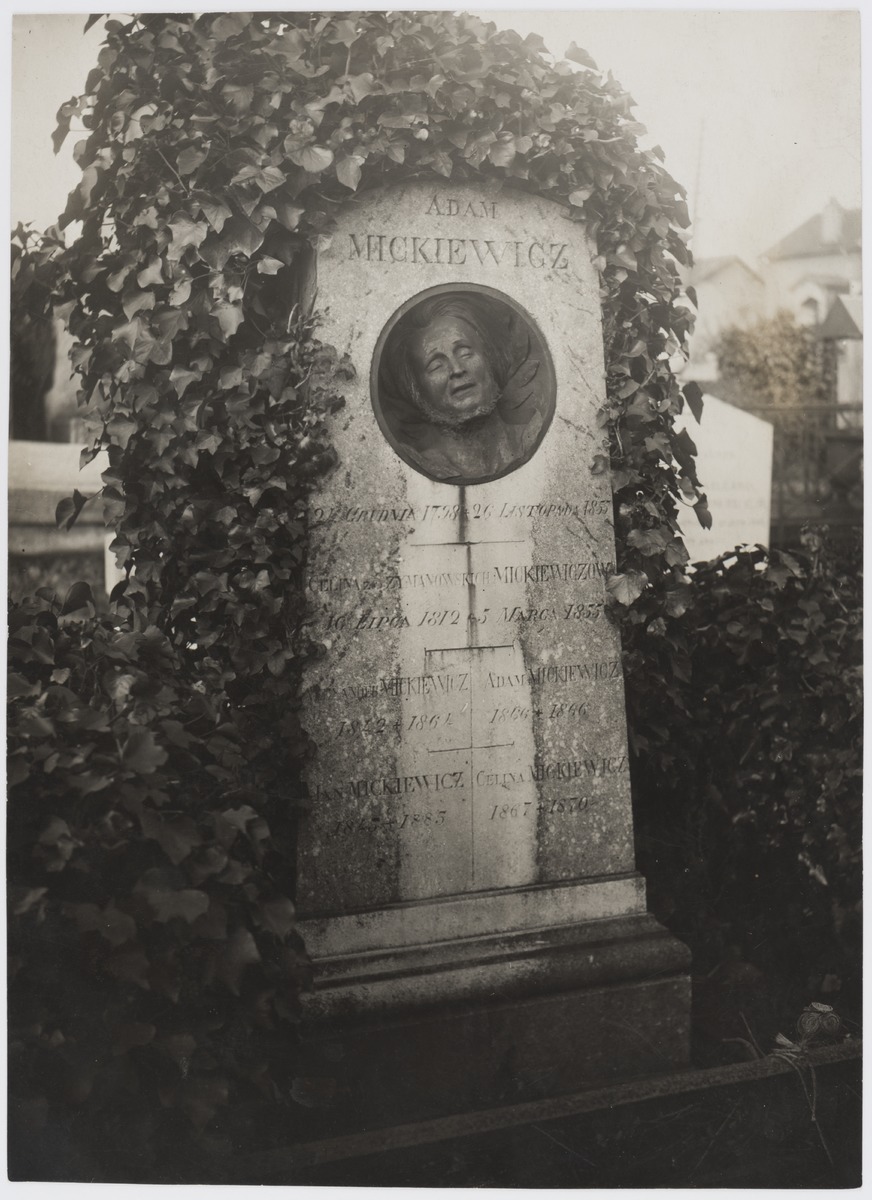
(758, 112)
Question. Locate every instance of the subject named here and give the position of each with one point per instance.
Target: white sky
(758, 112)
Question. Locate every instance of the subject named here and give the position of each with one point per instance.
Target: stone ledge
(540, 906)
(389, 984)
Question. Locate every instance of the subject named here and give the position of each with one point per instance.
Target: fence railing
(817, 458)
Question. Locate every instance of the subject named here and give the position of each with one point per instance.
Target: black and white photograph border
(400, 802)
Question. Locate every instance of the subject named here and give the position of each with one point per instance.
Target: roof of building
(706, 268)
(830, 283)
(808, 239)
(844, 320)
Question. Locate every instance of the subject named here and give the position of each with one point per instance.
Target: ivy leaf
(17, 686)
(286, 213)
(182, 377)
(442, 163)
(229, 317)
(278, 916)
(130, 966)
(79, 596)
(187, 903)
(240, 951)
(676, 553)
(185, 232)
(313, 159)
(677, 601)
(128, 1034)
(266, 178)
(135, 301)
(502, 152)
(181, 293)
(693, 395)
(151, 273)
(703, 515)
(628, 587)
(348, 171)
(141, 753)
(576, 55)
(229, 25)
(345, 32)
(230, 377)
(67, 512)
(658, 443)
(190, 159)
(214, 209)
(239, 236)
(121, 429)
(648, 541)
(239, 96)
(580, 195)
(360, 86)
(115, 926)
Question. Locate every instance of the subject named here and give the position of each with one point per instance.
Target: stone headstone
(734, 464)
(469, 821)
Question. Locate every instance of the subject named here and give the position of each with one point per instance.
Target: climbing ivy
(218, 151)
(215, 152)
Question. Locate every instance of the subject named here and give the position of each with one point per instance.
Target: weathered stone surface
(603, 1001)
(466, 876)
(469, 714)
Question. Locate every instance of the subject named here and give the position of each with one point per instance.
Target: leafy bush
(153, 974)
(745, 714)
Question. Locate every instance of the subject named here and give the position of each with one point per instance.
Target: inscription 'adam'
(450, 207)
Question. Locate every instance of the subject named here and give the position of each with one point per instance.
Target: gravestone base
(425, 1031)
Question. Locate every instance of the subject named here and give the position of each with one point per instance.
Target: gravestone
(734, 463)
(466, 881)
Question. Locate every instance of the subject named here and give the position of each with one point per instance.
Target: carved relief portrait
(463, 385)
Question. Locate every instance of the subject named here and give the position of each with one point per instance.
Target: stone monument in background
(466, 881)
(734, 463)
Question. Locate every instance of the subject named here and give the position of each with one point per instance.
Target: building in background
(843, 325)
(728, 292)
(814, 264)
(814, 273)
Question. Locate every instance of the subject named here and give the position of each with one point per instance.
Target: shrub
(152, 975)
(745, 714)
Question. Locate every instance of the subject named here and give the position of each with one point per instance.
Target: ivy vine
(215, 152)
(218, 151)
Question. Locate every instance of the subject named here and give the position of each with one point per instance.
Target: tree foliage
(774, 362)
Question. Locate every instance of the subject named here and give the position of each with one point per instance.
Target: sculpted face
(454, 378)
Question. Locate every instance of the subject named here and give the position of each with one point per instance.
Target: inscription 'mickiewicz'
(455, 252)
